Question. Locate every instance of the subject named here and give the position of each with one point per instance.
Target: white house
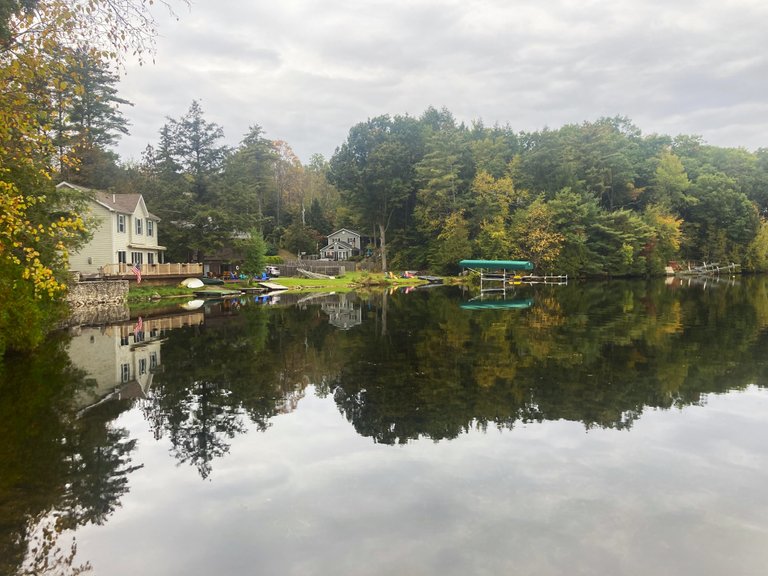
(342, 245)
(125, 233)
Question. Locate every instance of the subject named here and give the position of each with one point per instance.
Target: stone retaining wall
(97, 292)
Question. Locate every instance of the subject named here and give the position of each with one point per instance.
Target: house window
(121, 257)
(142, 365)
(153, 361)
(150, 255)
(137, 258)
(125, 373)
(150, 228)
(139, 226)
(124, 340)
(351, 241)
(121, 223)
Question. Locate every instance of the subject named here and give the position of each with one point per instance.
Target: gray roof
(342, 230)
(336, 245)
(122, 203)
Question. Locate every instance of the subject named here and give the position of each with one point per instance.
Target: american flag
(139, 325)
(136, 270)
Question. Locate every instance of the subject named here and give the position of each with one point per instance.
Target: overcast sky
(306, 71)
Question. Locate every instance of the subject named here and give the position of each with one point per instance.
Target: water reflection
(404, 366)
(61, 468)
(398, 367)
(121, 359)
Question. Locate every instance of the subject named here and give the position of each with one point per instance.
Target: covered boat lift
(498, 265)
(497, 274)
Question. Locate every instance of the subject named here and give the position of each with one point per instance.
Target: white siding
(120, 240)
(106, 242)
(100, 249)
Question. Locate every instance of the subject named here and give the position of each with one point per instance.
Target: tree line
(591, 199)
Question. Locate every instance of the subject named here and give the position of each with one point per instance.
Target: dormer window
(139, 226)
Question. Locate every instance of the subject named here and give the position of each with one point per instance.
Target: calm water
(595, 428)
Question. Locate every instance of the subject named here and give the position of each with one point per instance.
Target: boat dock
(711, 269)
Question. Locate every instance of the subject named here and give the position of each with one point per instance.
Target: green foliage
(670, 182)
(596, 198)
(664, 244)
(721, 222)
(87, 119)
(757, 253)
(375, 170)
(572, 216)
(453, 245)
(617, 239)
(299, 238)
(535, 236)
(255, 254)
(23, 317)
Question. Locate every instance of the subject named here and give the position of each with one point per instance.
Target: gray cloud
(307, 71)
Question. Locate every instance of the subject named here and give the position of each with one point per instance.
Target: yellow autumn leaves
(21, 240)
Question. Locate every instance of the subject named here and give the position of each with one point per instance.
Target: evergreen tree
(88, 120)
(195, 147)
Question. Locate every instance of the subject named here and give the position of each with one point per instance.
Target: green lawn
(348, 282)
(146, 292)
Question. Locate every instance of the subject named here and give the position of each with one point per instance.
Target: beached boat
(212, 281)
(217, 293)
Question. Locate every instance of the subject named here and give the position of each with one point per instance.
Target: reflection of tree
(595, 353)
(99, 464)
(201, 424)
(245, 365)
(58, 471)
(47, 554)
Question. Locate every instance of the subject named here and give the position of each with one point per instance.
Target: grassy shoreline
(347, 283)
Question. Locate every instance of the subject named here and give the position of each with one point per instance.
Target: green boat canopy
(497, 264)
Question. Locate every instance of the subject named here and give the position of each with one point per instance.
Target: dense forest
(593, 199)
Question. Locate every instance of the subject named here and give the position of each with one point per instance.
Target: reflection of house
(126, 233)
(342, 245)
(121, 359)
(342, 312)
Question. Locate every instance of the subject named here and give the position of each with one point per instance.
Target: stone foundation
(97, 292)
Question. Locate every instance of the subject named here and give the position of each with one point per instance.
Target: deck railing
(168, 269)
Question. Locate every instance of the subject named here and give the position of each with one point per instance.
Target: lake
(590, 428)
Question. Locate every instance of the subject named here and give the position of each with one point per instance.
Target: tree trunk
(382, 234)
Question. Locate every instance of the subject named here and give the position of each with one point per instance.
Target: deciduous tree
(374, 169)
